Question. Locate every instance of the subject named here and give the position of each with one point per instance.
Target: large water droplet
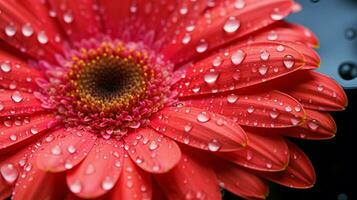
(214, 145)
(153, 145)
(203, 117)
(264, 55)
(288, 61)
(9, 173)
(211, 77)
(17, 97)
(10, 30)
(56, 150)
(42, 37)
(202, 46)
(313, 124)
(263, 70)
(5, 66)
(276, 15)
(231, 25)
(239, 4)
(27, 30)
(232, 98)
(68, 17)
(75, 187)
(107, 184)
(237, 57)
(71, 149)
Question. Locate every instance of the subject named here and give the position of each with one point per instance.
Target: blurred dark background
(335, 24)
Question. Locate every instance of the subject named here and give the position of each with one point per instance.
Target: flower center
(109, 88)
(106, 79)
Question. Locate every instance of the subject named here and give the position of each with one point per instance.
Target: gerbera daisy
(148, 99)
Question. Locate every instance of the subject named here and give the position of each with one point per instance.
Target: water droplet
(214, 145)
(348, 70)
(269, 165)
(203, 117)
(276, 15)
(313, 124)
(239, 4)
(202, 46)
(27, 30)
(56, 150)
(75, 187)
(274, 114)
(5, 66)
(288, 61)
(34, 130)
(71, 149)
(186, 39)
(211, 77)
(153, 145)
(320, 88)
(237, 57)
(10, 30)
(280, 48)
(68, 17)
(9, 173)
(263, 70)
(13, 137)
(217, 61)
(288, 109)
(295, 121)
(231, 25)
(272, 35)
(232, 98)
(17, 97)
(250, 109)
(264, 55)
(187, 128)
(107, 184)
(42, 37)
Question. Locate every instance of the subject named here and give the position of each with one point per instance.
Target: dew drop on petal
(9, 172)
(239, 4)
(276, 15)
(232, 98)
(214, 145)
(211, 77)
(250, 109)
(203, 117)
(187, 128)
(153, 145)
(5, 67)
(42, 37)
(68, 17)
(313, 125)
(217, 61)
(202, 46)
(56, 150)
(263, 70)
(75, 187)
(231, 25)
(107, 184)
(27, 30)
(17, 97)
(264, 55)
(71, 149)
(274, 114)
(10, 30)
(288, 61)
(237, 57)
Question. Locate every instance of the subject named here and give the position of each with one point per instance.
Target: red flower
(141, 99)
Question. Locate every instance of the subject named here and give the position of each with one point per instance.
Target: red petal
(34, 183)
(239, 181)
(133, 183)
(199, 128)
(261, 62)
(317, 91)
(210, 27)
(5, 190)
(262, 153)
(99, 171)
(16, 74)
(271, 109)
(190, 179)
(38, 40)
(79, 22)
(319, 125)
(299, 173)
(15, 131)
(152, 151)
(67, 149)
(18, 103)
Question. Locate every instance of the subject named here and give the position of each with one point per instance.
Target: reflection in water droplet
(231, 25)
(203, 117)
(348, 70)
